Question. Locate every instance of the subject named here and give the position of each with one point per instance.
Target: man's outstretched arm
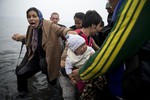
(129, 33)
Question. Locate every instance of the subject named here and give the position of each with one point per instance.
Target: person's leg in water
(24, 71)
(55, 89)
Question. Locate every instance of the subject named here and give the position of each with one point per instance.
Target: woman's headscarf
(34, 41)
(39, 13)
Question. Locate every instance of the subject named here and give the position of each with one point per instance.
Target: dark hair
(102, 23)
(32, 9)
(37, 11)
(79, 15)
(91, 17)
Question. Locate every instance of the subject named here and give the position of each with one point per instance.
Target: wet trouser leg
(24, 71)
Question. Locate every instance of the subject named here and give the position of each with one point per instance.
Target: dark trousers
(26, 70)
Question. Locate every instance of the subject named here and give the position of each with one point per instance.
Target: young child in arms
(77, 54)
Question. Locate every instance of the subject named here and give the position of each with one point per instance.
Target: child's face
(81, 49)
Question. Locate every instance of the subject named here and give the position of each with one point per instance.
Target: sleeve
(92, 50)
(68, 66)
(129, 33)
(60, 30)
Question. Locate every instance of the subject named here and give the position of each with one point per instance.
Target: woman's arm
(61, 31)
(18, 37)
(95, 46)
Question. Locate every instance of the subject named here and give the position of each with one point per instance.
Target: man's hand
(72, 80)
(75, 75)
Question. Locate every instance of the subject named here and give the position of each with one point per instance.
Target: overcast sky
(65, 8)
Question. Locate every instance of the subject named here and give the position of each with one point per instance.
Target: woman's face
(33, 19)
(78, 23)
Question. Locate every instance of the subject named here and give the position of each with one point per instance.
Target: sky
(65, 8)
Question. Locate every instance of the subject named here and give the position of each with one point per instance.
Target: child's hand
(91, 53)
